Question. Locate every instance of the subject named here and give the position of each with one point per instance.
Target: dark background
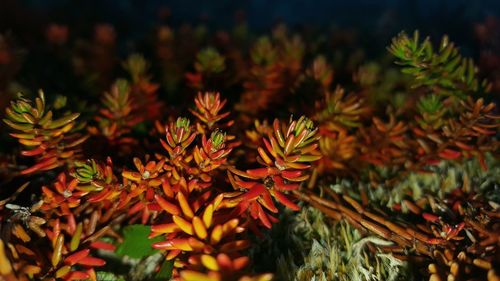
(473, 25)
(133, 18)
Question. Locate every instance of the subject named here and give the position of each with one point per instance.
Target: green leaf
(442, 72)
(136, 243)
(165, 272)
(62, 121)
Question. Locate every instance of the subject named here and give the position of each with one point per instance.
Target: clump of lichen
(321, 251)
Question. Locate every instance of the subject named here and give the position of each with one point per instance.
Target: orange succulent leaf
(51, 142)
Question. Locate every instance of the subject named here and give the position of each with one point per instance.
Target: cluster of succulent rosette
(190, 193)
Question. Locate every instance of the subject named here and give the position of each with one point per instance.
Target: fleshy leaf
(136, 243)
